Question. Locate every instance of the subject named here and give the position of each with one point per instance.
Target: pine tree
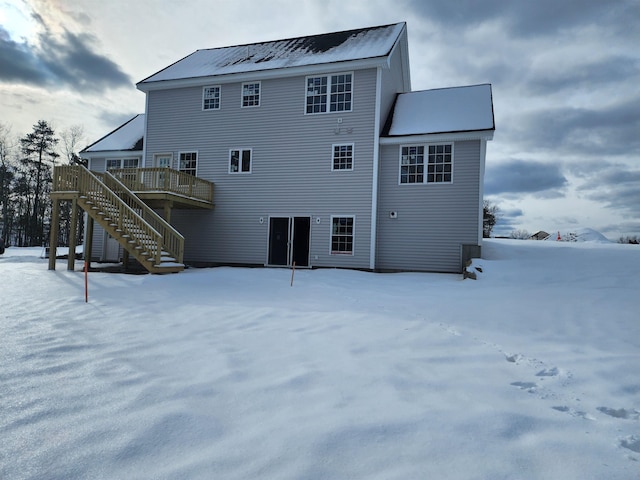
(38, 147)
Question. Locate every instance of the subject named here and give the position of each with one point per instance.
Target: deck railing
(163, 179)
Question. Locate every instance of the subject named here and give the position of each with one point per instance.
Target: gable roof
(443, 110)
(127, 137)
(364, 43)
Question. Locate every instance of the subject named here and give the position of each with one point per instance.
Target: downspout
(374, 179)
(144, 134)
(483, 153)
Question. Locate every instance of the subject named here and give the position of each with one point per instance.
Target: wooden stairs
(153, 242)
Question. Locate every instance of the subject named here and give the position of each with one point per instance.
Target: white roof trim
(437, 137)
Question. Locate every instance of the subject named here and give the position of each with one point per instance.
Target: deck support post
(53, 235)
(167, 210)
(73, 235)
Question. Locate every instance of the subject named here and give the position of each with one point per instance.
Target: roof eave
(109, 153)
(485, 134)
(359, 64)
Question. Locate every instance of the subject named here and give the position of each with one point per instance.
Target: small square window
(342, 157)
(211, 98)
(251, 94)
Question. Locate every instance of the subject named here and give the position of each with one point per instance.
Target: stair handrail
(90, 185)
(172, 240)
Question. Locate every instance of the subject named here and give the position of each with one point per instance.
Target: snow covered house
(319, 151)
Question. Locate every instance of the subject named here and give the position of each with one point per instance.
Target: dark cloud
(533, 18)
(588, 75)
(607, 130)
(18, 62)
(66, 61)
(614, 186)
(524, 177)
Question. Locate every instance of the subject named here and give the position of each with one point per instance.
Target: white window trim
(259, 83)
(353, 156)
(329, 75)
(197, 159)
(353, 237)
(219, 87)
(240, 172)
(426, 162)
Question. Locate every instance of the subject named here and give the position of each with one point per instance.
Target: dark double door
(289, 241)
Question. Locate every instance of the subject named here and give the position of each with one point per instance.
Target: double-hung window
(251, 94)
(412, 164)
(329, 93)
(188, 163)
(342, 235)
(342, 157)
(426, 163)
(440, 163)
(240, 160)
(211, 98)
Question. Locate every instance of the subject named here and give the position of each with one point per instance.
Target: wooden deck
(122, 202)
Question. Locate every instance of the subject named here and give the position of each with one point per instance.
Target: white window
(426, 163)
(211, 98)
(129, 163)
(342, 235)
(342, 157)
(240, 160)
(251, 94)
(412, 164)
(329, 93)
(115, 163)
(188, 163)
(440, 163)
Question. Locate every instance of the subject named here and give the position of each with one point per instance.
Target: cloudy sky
(565, 76)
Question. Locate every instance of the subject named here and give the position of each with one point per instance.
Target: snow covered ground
(529, 372)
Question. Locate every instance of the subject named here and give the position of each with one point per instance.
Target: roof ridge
(303, 37)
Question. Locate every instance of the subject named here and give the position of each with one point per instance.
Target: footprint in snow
(548, 372)
(527, 386)
(623, 413)
(573, 412)
(631, 442)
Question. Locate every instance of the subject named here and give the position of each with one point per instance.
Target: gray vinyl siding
(391, 86)
(291, 167)
(433, 220)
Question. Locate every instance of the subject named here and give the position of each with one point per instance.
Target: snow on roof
(443, 110)
(128, 136)
(317, 49)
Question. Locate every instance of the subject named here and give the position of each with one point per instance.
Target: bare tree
(72, 137)
(520, 234)
(7, 174)
(490, 214)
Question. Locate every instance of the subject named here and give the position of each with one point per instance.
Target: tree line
(26, 175)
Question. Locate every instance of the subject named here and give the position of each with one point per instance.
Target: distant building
(541, 235)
